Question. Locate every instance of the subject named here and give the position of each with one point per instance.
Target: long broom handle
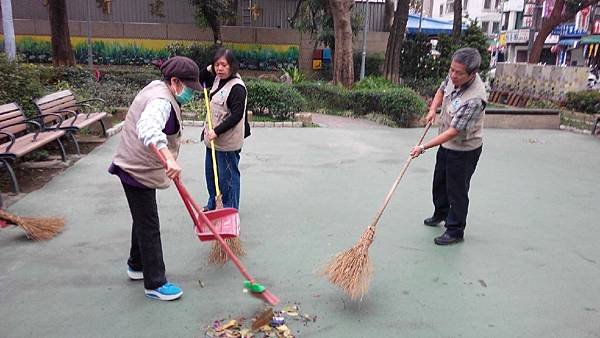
(212, 142)
(192, 206)
(395, 185)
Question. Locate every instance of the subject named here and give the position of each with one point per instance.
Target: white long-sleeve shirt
(152, 122)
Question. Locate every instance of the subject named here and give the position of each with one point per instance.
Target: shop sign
(568, 30)
(517, 36)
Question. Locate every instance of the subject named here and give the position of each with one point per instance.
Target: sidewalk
(529, 265)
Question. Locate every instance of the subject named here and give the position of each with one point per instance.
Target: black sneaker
(446, 239)
(434, 221)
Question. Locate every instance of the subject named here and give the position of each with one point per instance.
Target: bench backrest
(55, 103)
(9, 114)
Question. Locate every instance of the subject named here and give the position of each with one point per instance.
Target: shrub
(365, 101)
(374, 82)
(20, 83)
(373, 64)
(586, 102)
(401, 104)
(426, 87)
(321, 95)
(276, 99)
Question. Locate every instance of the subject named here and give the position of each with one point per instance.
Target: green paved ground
(529, 266)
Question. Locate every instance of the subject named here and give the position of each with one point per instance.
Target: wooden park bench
(17, 140)
(75, 115)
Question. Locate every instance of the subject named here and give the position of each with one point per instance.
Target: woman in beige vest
(228, 97)
(154, 118)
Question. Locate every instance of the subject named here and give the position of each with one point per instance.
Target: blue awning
(429, 26)
(571, 43)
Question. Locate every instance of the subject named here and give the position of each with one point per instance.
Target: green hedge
(320, 95)
(373, 82)
(401, 104)
(277, 99)
(19, 83)
(586, 102)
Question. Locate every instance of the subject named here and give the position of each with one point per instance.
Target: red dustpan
(201, 220)
(226, 222)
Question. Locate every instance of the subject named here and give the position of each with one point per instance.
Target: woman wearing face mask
(154, 118)
(228, 107)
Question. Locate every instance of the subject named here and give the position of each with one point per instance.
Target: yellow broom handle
(212, 143)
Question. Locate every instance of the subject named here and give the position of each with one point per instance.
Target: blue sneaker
(169, 291)
(135, 275)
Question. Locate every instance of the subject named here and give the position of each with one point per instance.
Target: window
(497, 4)
(505, 21)
(487, 4)
(495, 27)
(519, 21)
(441, 10)
(450, 6)
(485, 27)
(465, 5)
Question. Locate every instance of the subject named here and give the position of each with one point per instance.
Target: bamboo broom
(218, 255)
(35, 228)
(352, 270)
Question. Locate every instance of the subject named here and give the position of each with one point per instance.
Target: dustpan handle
(192, 206)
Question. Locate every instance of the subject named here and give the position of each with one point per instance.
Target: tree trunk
(391, 66)
(62, 52)
(538, 43)
(457, 24)
(343, 67)
(213, 22)
(10, 46)
(388, 16)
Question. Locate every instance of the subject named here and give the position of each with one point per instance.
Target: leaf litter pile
(268, 323)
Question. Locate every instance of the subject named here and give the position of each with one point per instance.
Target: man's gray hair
(469, 57)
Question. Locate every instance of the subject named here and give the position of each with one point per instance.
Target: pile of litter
(268, 323)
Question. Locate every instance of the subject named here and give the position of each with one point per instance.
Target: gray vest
(232, 139)
(471, 138)
(132, 155)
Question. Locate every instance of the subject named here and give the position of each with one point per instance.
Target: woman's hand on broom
(210, 134)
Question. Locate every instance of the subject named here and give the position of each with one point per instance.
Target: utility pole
(364, 46)
(10, 46)
(421, 15)
(89, 36)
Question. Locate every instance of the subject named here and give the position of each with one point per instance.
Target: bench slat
(10, 114)
(10, 107)
(54, 106)
(24, 145)
(52, 97)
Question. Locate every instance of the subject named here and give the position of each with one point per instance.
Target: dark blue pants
(451, 182)
(229, 178)
(146, 248)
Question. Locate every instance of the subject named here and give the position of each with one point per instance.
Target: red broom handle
(192, 206)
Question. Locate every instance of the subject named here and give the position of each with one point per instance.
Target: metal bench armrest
(12, 139)
(92, 100)
(89, 109)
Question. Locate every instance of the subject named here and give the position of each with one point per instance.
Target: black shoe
(446, 239)
(434, 221)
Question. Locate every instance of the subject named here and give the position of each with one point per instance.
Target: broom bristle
(42, 228)
(352, 270)
(218, 256)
